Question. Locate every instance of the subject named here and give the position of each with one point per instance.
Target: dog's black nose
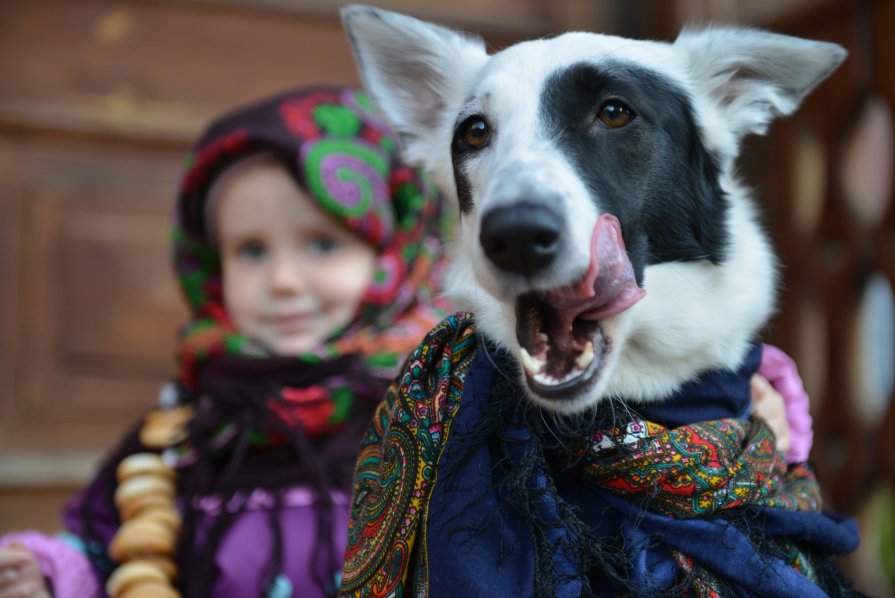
(521, 238)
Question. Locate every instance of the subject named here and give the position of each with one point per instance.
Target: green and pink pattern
(340, 151)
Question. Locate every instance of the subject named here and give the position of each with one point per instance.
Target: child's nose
(286, 275)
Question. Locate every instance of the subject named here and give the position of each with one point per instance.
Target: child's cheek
(352, 281)
(243, 292)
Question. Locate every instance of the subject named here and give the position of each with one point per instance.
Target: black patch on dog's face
(464, 192)
(654, 173)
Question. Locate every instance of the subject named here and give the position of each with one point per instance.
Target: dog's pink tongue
(608, 287)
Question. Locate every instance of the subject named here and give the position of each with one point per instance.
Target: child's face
(292, 273)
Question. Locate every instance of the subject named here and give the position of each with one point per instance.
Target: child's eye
(324, 244)
(252, 250)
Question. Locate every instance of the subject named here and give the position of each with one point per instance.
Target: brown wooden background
(99, 101)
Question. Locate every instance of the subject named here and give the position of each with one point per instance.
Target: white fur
(698, 316)
(695, 316)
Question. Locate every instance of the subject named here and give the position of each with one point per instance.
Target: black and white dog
(604, 237)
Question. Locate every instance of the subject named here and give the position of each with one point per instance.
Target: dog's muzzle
(563, 343)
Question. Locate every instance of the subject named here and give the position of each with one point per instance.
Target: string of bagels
(146, 541)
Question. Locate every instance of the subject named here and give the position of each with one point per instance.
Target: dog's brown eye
(474, 133)
(614, 115)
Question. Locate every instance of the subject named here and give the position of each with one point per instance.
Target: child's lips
(293, 322)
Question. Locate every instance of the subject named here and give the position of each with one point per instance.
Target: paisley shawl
(705, 509)
(396, 464)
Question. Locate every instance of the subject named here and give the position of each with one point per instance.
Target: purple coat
(241, 557)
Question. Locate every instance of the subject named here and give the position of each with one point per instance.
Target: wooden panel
(10, 227)
(826, 269)
(99, 307)
(835, 259)
(37, 509)
(753, 12)
(516, 17)
(883, 21)
(154, 70)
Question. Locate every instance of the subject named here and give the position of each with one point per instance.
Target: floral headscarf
(343, 155)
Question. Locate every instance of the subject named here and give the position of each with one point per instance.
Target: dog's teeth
(531, 365)
(543, 337)
(586, 357)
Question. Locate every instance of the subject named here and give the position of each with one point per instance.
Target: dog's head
(603, 239)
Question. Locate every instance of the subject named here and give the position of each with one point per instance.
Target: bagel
(165, 515)
(165, 427)
(132, 507)
(149, 589)
(143, 485)
(166, 564)
(132, 572)
(137, 537)
(143, 464)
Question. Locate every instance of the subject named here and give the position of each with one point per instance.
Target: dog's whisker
(549, 429)
(682, 274)
(483, 346)
(623, 408)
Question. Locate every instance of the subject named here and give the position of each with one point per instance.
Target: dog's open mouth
(560, 332)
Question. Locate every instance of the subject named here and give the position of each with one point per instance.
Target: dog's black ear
(413, 70)
(753, 75)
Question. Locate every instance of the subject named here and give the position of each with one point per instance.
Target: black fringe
(517, 462)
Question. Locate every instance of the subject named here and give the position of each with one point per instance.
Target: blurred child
(308, 255)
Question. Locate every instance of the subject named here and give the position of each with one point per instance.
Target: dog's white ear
(756, 75)
(413, 70)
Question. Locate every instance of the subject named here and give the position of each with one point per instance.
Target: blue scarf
(474, 552)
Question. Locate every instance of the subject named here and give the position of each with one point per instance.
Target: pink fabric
(781, 372)
(67, 569)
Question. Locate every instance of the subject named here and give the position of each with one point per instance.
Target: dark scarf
(485, 495)
(267, 424)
